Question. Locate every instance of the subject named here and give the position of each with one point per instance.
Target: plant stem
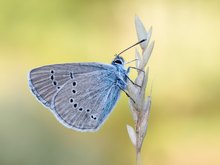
(138, 157)
(138, 141)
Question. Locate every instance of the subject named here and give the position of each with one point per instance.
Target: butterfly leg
(133, 82)
(126, 93)
(128, 70)
(131, 67)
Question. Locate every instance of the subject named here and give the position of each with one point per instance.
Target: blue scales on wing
(80, 95)
(85, 102)
(46, 81)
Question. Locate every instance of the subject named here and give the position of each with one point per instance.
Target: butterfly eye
(118, 61)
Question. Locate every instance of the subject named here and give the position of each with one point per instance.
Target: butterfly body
(80, 95)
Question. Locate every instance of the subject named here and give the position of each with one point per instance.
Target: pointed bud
(146, 55)
(138, 57)
(141, 32)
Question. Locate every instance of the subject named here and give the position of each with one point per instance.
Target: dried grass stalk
(140, 105)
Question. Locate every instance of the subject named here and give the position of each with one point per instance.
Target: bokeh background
(184, 124)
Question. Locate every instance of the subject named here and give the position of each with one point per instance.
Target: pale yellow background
(184, 125)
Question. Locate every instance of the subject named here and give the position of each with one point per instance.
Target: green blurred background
(184, 125)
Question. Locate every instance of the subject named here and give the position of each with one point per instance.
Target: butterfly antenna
(131, 46)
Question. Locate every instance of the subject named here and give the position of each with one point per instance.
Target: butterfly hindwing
(84, 102)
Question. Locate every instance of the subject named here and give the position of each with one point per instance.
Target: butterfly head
(118, 60)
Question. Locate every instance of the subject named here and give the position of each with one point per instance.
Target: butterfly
(80, 95)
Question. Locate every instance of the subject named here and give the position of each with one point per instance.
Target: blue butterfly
(80, 95)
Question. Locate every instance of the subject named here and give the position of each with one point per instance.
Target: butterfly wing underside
(81, 95)
(85, 102)
(46, 81)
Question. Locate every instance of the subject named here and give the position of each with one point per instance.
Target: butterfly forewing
(46, 81)
(85, 101)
